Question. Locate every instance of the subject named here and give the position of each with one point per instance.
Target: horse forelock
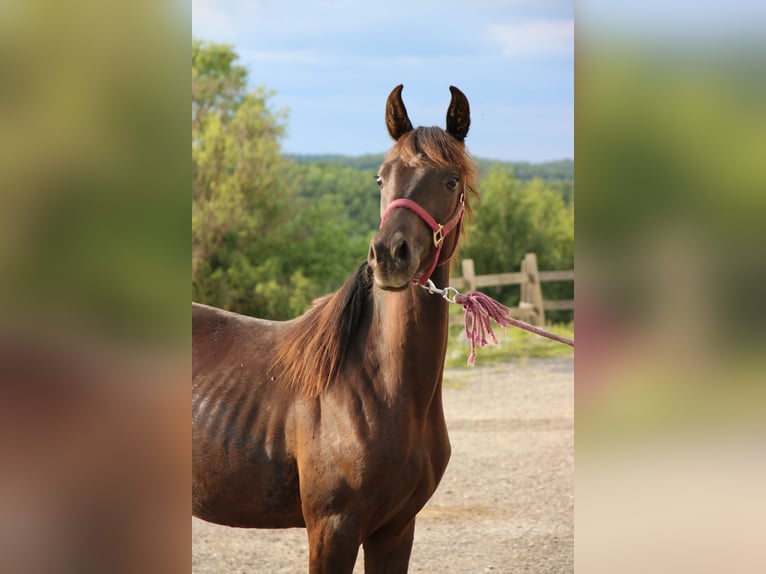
(312, 355)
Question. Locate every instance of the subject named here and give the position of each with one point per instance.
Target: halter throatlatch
(439, 231)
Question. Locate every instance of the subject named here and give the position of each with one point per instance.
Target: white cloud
(535, 38)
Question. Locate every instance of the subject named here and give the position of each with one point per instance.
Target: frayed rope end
(479, 309)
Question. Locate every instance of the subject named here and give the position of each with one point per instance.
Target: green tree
(515, 217)
(237, 174)
(258, 246)
(355, 195)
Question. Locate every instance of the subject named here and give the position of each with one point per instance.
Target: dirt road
(505, 504)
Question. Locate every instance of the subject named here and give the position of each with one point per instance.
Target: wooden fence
(531, 307)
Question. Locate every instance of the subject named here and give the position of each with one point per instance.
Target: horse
(333, 421)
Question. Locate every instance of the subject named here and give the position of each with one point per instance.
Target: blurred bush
(671, 405)
(94, 227)
(94, 323)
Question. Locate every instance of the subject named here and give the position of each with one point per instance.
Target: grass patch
(513, 344)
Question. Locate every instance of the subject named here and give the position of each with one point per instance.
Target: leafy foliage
(257, 246)
(352, 192)
(515, 217)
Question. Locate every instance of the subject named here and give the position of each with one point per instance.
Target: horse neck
(411, 329)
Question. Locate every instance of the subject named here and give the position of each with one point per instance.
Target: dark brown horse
(333, 421)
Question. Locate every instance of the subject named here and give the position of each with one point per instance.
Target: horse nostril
(401, 253)
(393, 253)
(376, 249)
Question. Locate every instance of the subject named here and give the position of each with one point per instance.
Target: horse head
(425, 181)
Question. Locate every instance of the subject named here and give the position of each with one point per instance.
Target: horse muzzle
(393, 260)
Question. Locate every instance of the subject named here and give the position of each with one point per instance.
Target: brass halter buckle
(438, 236)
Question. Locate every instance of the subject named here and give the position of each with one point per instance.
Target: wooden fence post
(469, 274)
(531, 291)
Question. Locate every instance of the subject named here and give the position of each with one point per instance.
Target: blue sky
(333, 63)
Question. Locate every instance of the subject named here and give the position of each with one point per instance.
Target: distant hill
(562, 169)
(367, 161)
(549, 170)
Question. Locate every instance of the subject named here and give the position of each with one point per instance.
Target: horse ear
(397, 121)
(458, 114)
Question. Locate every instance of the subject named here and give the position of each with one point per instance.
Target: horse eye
(379, 180)
(453, 181)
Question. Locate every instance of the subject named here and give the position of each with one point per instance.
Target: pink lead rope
(479, 309)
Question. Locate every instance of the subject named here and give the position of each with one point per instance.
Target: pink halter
(440, 231)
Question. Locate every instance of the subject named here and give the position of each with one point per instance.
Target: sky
(332, 64)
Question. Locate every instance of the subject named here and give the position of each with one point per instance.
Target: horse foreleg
(333, 545)
(387, 551)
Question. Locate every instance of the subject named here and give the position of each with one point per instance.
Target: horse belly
(242, 472)
(245, 489)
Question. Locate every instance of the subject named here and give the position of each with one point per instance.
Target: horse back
(220, 337)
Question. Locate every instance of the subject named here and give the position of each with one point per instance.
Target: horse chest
(403, 483)
(387, 463)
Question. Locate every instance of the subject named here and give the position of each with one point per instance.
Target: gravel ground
(505, 504)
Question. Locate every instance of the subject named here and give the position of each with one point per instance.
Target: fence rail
(531, 306)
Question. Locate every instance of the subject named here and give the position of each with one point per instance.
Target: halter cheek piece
(439, 231)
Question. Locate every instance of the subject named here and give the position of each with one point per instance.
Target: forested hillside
(552, 170)
(270, 232)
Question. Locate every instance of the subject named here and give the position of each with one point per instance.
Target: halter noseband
(439, 231)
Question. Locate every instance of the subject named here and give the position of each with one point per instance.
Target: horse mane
(432, 146)
(313, 353)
